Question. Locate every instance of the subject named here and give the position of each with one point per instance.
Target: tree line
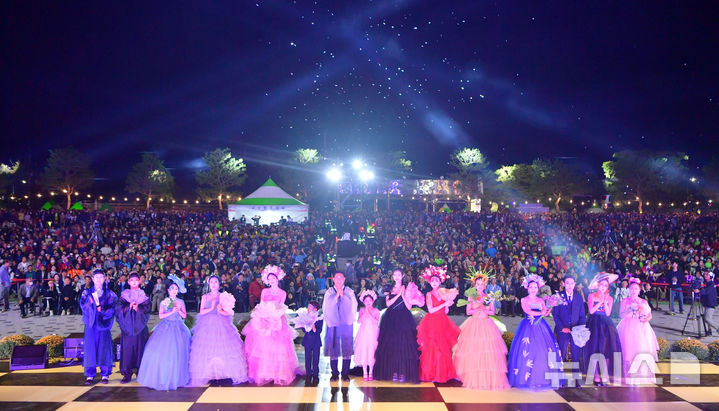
(638, 176)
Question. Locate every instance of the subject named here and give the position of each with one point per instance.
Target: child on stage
(436, 333)
(269, 342)
(217, 351)
(98, 314)
(480, 354)
(533, 344)
(366, 341)
(637, 337)
(312, 323)
(166, 361)
(603, 342)
(133, 312)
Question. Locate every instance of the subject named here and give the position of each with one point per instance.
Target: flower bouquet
(227, 302)
(448, 294)
(305, 319)
(554, 300)
(413, 295)
(168, 303)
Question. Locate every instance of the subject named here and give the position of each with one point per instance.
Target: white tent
(270, 203)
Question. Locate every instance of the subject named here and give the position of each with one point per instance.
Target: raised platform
(63, 388)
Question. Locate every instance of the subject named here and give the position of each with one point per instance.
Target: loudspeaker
(346, 248)
(74, 345)
(28, 357)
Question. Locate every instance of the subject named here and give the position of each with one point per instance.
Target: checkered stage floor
(63, 388)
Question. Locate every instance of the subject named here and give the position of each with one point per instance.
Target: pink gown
(637, 337)
(366, 341)
(480, 355)
(269, 343)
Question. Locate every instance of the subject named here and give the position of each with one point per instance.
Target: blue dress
(604, 339)
(532, 347)
(166, 361)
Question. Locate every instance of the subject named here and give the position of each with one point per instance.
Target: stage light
(88, 196)
(113, 198)
(334, 174)
(366, 175)
(24, 182)
(693, 179)
(357, 164)
(101, 197)
(125, 199)
(185, 202)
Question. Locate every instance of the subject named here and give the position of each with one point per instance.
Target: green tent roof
(269, 194)
(268, 201)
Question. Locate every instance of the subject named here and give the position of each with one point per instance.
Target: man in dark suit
(568, 316)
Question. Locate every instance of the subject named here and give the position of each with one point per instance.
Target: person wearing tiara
(98, 315)
(165, 363)
(436, 333)
(133, 312)
(340, 309)
(269, 340)
(216, 351)
(603, 343)
(366, 341)
(534, 352)
(480, 354)
(639, 343)
(397, 354)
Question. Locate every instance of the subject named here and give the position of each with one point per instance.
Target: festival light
(334, 174)
(357, 164)
(113, 198)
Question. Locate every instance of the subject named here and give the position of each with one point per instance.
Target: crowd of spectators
(47, 254)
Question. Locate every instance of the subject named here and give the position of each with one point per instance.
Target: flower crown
(634, 280)
(368, 293)
(274, 270)
(484, 273)
(434, 271)
(533, 278)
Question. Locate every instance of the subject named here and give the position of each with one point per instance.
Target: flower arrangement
(272, 269)
(448, 294)
(533, 278)
(189, 321)
(435, 271)
(692, 346)
(413, 295)
(55, 345)
(492, 297)
(168, 303)
(484, 273)
(305, 319)
(508, 337)
(554, 300)
(664, 348)
(714, 351)
(9, 342)
(227, 301)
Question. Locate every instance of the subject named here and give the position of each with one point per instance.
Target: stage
(63, 388)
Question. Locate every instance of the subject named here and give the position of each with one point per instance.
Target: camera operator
(708, 294)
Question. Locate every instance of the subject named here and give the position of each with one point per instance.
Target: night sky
(516, 79)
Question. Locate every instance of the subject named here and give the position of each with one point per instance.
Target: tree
(7, 173)
(67, 170)
(472, 170)
(150, 178)
(223, 172)
(644, 174)
(711, 177)
(555, 179)
(295, 175)
(307, 156)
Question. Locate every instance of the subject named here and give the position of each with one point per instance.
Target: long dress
(269, 343)
(532, 347)
(366, 340)
(98, 337)
(480, 356)
(436, 336)
(637, 337)
(397, 350)
(216, 351)
(603, 339)
(166, 361)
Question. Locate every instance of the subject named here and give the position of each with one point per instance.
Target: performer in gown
(340, 309)
(216, 351)
(480, 356)
(98, 314)
(639, 343)
(533, 345)
(269, 342)
(166, 361)
(133, 312)
(603, 342)
(366, 341)
(436, 333)
(397, 354)
(568, 316)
